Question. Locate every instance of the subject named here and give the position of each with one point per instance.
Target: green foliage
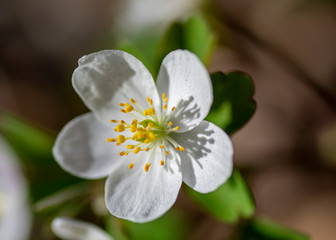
(230, 202)
(33, 145)
(263, 229)
(233, 100)
(172, 225)
(193, 35)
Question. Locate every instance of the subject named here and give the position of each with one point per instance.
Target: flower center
(147, 131)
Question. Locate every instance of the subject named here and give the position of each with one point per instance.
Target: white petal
(187, 84)
(107, 78)
(71, 229)
(82, 150)
(207, 159)
(15, 215)
(141, 196)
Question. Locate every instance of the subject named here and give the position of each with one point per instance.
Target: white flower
(71, 229)
(15, 216)
(153, 143)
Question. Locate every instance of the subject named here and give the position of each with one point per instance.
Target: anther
(166, 100)
(113, 121)
(170, 123)
(150, 124)
(122, 122)
(120, 128)
(133, 128)
(131, 165)
(173, 108)
(151, 136)
(182, 149)
(121, 105)
(167, 152)
(162, 163)
(132, 100)
(136, 150)
(122, 153)
(177, 148)
(163, 95)
(111, 140)
(147, 167)
(130, 146)
(121, 139)
(176, 128)
(165, 107)
(122, 110)
(129, 108)
(161, 146)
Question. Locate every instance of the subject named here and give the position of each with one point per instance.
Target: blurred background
(286, 152)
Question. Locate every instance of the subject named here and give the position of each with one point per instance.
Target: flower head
(146, 138)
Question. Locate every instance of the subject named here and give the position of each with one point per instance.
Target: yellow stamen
(122, 153)
(121, 105)
(147, 140)
(163, 95)
(167, 152)
(162, 162)
(170, 123)
(151, 136)
(121, 139)
(161, 146)
(173, 108)
(146, 149)
(122, 122)
(147, 167)
(182, 149)
(135, 122)
(133, 128)
(120, 128)
(150, 124)
(166, 100)
(113, 121)
(111, 140)
(165, 107)
(177, 148)
(130, 146)
(176, 128)
(132, 100)
(136, 150)
(129, 108)
(122, 110)
(131, 165)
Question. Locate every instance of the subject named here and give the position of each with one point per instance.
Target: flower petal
(207, 159)
(82, 150)
(71, 229)
(107, 78)
(187, 84)
(15, 214)
(141, 196)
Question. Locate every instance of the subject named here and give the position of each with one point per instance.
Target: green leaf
(199, 39)
(229, 203)
(33, 146)
(233, 100)
(263, 229)
(193, 35)
(172, 225)
(143, 47)
(29, 142)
